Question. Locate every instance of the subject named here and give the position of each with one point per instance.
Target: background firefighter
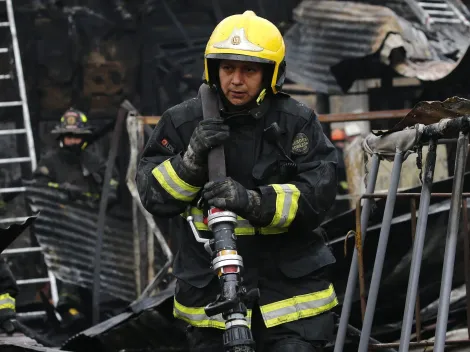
(81, 172)
(8, 293)
(282, 180)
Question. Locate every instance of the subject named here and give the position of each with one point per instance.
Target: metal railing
(396, 146)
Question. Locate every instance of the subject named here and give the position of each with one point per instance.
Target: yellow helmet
(247, 37)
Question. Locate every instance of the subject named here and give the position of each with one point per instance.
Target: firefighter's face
(241, 81)
(69, 141)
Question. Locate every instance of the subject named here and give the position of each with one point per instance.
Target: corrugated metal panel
(66, 230)
(328, 33)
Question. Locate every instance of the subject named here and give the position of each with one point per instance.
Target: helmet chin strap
(245, 107)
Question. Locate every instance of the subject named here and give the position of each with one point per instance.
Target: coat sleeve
(162, 190)
(8, 287)
(305, 200)
(43, 172)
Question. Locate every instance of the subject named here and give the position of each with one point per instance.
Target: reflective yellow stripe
(113, 182)
(7, 302)
(299, 307)
(53, 184)
(91, 195)
(287, 203)
(173, 184)
(243, 228)
(197, 317)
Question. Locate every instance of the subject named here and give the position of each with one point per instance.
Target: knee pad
(293, 345)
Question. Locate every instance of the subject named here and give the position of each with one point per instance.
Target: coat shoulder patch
(300, 144)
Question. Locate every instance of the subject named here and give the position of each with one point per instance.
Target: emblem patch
(236, 40)
(300, 144)
(164, 142)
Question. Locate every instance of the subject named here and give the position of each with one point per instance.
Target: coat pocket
(305, 259)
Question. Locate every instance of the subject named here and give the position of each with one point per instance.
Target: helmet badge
(71, 120)
(238, 40)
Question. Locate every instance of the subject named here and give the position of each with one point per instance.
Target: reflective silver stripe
(243, 225)
(6, 301)
(197, 316)
(171, 185)
(299, 307)
(286, 205)
(287, 198)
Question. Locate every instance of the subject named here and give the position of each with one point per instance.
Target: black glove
(228, 194)
(208, 134)
(73, 192)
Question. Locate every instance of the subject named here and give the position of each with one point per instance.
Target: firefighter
(81, 172)
(280, 185)
(8, 292)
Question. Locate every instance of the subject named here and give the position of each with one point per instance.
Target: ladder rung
(4, 24)
(15, 160)
(3, 50)
(432, 5)
(32, 281)
(10, 132)
(440, 13)
(12, 190)
(445, 20)
(12, 220)
(14, 251)
(5, 76)
(10, 103)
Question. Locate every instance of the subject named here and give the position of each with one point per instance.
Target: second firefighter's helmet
(73, 122)
(246, 37)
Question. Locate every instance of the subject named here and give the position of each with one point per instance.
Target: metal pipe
(353, 271)
(451, 243)
(418, 304)
(381, 249)
(379, 346)
(411, 195)
(360, 260)
(466, 255)
(356, 333)
(418, 246)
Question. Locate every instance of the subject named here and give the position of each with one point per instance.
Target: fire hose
(226, 261)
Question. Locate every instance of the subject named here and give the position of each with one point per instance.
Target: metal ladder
(27, 132)
(437, 12)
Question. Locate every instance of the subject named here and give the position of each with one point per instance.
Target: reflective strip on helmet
(299, 307)
(7, 301)
(173, 184)
(243, 228)
(197, 316)
(287, 203)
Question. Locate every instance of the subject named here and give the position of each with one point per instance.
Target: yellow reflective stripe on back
(53, 184)
(173, 184)
(197, 316)
(299, 307)
(7, 301)
(287, 203)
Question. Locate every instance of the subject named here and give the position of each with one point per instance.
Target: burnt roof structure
(334, 43)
